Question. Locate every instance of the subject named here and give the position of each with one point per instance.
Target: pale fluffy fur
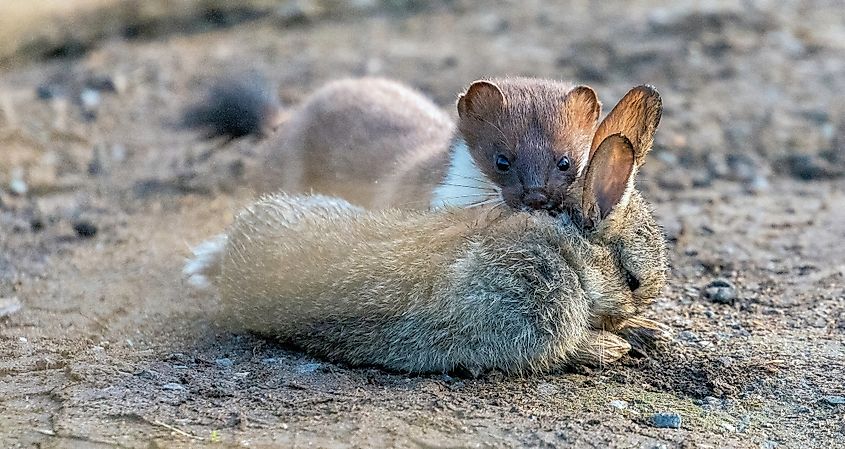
(205, 262)
(424, 291)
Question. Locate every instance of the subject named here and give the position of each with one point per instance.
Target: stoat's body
(381, 144)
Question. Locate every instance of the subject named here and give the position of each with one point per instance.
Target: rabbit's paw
(601, 348)
(644, 335)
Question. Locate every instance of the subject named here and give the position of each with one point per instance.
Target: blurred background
(102, 191)
(752, 89)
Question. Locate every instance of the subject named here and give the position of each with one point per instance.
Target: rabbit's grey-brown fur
(421, 292)
(437, 291)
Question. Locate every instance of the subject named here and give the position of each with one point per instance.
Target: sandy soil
(111, 348)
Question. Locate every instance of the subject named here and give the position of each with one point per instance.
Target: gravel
(85, 228)
(619, 404)
(666, 420)
(834, 400)
(719, 291)
(224, 362)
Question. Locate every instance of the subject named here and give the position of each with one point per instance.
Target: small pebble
(173, 386)
(95, 165)
(36, 224)
(666, 420)
(688, 336)
(224, 362)
(90, 100)
(702, 180)
(758, 184)
(308, 368)
(85, 229)
(728, 427)
(118, 152)
(17, 185)
(106, 83)
(809, 167)
(802, 409)
(835, 400)
(669, 180)
(546, 389)
(46, 92)
(712, 403)
(270, 361)
(744, 423)
(719, 291)
(619, 404)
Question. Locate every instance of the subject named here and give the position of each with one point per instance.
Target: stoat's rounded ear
(481, 98)
(609, 179)
(636, 117)
(582, 108)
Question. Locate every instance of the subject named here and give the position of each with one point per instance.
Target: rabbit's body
(420, 291)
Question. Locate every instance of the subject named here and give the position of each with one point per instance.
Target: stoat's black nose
(536, 200)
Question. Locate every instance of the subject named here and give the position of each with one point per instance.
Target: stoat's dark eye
(563, 164)
(502, 163)
(633, 282)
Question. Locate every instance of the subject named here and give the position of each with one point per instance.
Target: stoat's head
(530, 137)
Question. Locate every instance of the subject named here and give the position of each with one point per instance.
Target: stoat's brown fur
(372, 141)
(381, 144)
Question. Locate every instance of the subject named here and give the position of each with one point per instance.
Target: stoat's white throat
(464, 184)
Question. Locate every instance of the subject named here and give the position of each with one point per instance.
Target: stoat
(520, 142)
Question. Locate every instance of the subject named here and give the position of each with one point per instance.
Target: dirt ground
(111, 347)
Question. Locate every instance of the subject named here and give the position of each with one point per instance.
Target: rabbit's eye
(633, 282)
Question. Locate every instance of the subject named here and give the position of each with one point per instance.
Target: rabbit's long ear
(609, 179)
(636, 117)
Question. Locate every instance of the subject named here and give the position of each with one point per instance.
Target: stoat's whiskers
(497, 128)
(481, 197)
(483, 189)
(464, 184)
(486, 202)
(482, 180)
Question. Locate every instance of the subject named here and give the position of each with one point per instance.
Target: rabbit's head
(616, 217)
